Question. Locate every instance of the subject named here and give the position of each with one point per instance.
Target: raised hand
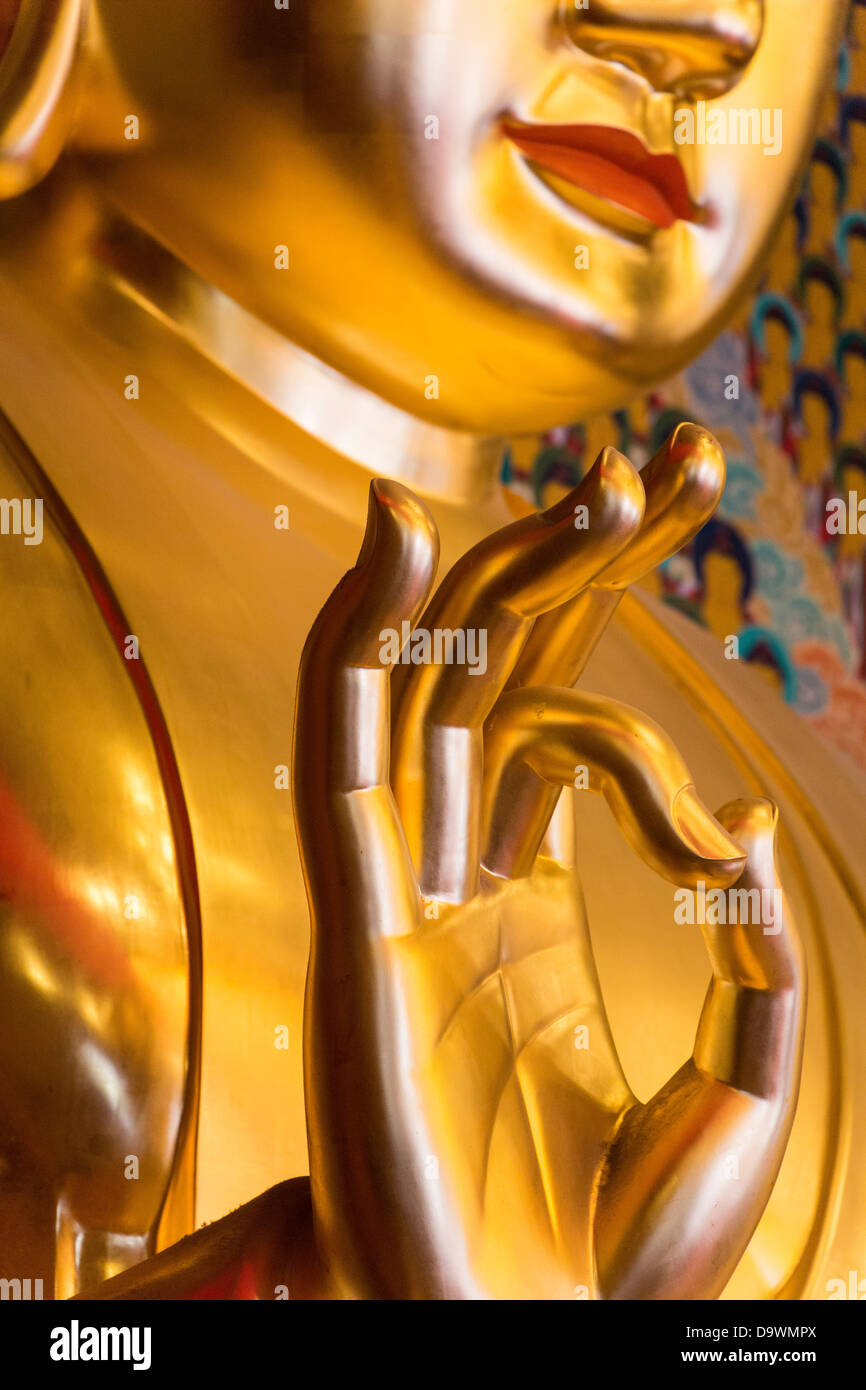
(471, 1132)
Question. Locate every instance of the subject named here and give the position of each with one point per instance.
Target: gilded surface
(183, 385)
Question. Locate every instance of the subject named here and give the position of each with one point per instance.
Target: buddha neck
(344, 418)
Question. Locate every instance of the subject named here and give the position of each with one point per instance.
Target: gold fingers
(488, 601)
(683, 483)
(555, 735)
(353, 850)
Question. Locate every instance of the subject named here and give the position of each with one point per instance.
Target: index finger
(543, 733)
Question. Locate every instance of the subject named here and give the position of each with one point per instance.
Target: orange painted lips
(611, 164)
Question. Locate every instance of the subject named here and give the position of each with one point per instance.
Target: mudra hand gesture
(461, 1144)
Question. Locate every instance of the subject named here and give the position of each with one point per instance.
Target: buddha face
(499, 214)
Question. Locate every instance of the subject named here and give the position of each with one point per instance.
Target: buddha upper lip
(610, 163)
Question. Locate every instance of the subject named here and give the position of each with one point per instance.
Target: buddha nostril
(689, 48)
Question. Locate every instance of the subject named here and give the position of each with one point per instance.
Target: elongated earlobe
(37, 89)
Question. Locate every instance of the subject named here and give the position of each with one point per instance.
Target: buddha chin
(518, 200)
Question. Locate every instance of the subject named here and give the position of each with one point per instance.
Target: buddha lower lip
(611, 164)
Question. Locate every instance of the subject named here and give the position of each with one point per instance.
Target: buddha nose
(691, 48)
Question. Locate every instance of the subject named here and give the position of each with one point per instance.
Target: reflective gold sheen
(472, 1134)
(320, 259)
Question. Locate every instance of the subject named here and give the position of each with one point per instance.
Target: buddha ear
(37, 88)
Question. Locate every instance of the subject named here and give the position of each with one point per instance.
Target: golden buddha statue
(250, 261)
